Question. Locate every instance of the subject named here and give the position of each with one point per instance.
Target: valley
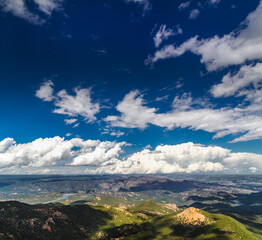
(129, 207)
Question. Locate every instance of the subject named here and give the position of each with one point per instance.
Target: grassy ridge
(148, 220)
(151, 206)
(223, 227)
(167, 227)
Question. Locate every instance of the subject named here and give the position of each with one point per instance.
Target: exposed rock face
(192, 216)
(172, 206)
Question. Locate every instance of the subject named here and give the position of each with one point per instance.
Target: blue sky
(106, 86)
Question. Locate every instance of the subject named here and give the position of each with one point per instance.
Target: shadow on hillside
(159, 225)
(185, 231)
(193, 231)
(21, 221)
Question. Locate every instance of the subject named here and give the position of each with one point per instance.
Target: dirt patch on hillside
(171, 206)
(192, 216)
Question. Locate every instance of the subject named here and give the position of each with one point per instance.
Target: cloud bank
(57, 155)
(46, 152)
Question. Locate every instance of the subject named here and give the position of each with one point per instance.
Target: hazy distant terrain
(131, 207)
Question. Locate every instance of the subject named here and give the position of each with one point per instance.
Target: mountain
(22, 221)
(148, 220)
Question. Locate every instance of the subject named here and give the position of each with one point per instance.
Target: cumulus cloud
(182, 158)
(19, 8)
(193, 14)
(54, 151)
(5, 144)
(232, 83)
(102, 152)
(79, 104)
(164, 33)
(187, 112)
(45, 92)
(57, 155)
(41, 152)
(134, 113)
(217, 52)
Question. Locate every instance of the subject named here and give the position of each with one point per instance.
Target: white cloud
(187, 112)
(112, 132)
(163, 34)
(45, 92)
(193, 14)
(184, 5)
(103, 151)
(144, 3)
(70, 121)
(254, 96)
(76, 125)
(20, 9)
(41, 152)
(5, 144)
(80, 104)
(56, 151)
(170, 51)
(247, 83)
(244, 161)
(160, 99)
(235, 48)
(219, 52)
(57, 155)
(232, 83)
(182, 158)
(134, 113)
(117, 133)
(48, 6)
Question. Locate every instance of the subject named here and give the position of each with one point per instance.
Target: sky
(130, 86)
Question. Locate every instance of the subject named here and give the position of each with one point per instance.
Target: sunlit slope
(152, 207)
(196, 224)
(148, 220)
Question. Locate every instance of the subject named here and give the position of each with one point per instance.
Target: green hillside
(152, 207)
(148, 220)
(108, 200)
(220, 227)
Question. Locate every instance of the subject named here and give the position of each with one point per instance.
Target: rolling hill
(148, 220)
